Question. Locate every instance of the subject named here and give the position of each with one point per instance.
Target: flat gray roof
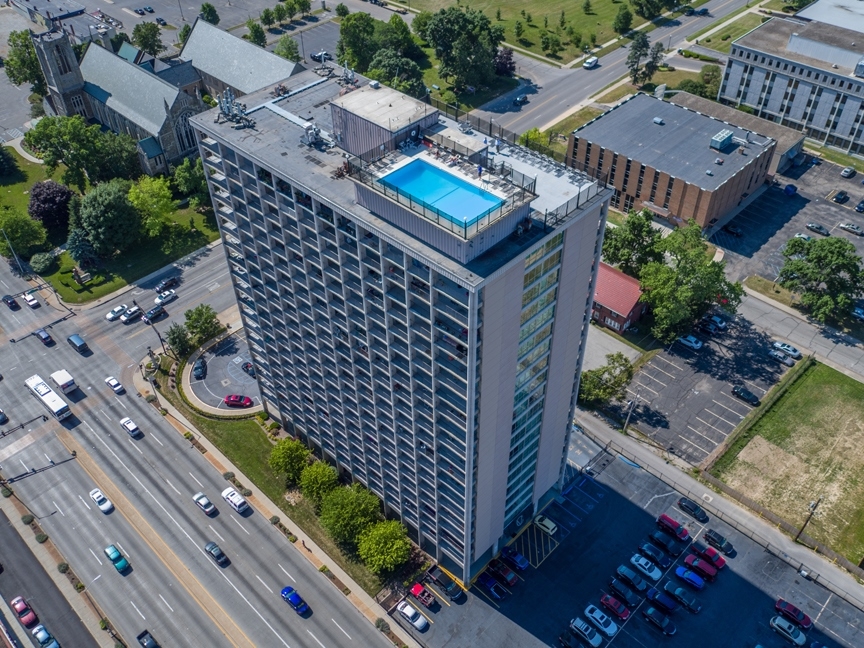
(679, 147)
(384, 107)
(275, 142)
(840, 13)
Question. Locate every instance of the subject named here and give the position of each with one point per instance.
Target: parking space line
(815, 620)
(728, 408)
(756, 387)
(666, 360)
(709, 439)
(709, 425)
(654, 379)
(438, 596)
(662, 371)
(640, 385)
(483, 594)
(727, 422)
(695, 445)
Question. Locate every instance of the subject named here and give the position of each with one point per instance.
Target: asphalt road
(23, 575)
(158, 473)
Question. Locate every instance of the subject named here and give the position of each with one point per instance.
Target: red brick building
(616, 299)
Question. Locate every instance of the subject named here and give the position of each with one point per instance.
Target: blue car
(292, 598)
(516, 560)
(662, 600)
(690, 578)
(492, 586)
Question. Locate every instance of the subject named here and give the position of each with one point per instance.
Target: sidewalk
(797, 555)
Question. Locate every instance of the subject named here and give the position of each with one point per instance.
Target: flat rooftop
(840, 13)
(680, 146)
(275, 141)
(845, 46)
(51, 8)
(383, 106)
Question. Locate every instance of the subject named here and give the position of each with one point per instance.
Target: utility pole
(631, 406)
(813, 507)
(17, 260)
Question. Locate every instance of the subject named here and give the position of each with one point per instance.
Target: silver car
(788, 630)
(781, 357)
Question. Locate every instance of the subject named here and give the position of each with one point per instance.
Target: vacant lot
(810, 444)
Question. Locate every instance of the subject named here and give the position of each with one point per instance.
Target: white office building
(417, 304)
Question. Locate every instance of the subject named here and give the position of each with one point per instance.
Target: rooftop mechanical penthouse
(416, 298)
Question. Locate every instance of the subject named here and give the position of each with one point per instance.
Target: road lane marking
(283, 571)
(120, 547)
(263, 583)
(121, 403)
(135, 445)
(166, 603)
(58, 508)
(241, 526)
(342, 629)
(156, 439)
(95, 556)
(315, 638)
(84, 502)
(196, 481)
(23, 464)
(217, 533)
(137, 610)
(172, 486)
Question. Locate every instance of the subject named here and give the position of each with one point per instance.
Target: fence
(759, 510)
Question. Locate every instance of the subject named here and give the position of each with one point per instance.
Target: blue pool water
(455, 199)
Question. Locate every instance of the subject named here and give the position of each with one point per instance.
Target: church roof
(150, 147)
(234, 61)
(126, 88)
(180, 74)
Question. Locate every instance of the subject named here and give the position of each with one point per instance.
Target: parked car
(293, 598)
(412, 615)
(514, 558)
(161, 21)
(615, 606)
(199, 369)
(620, 589)
(710, 554)
(648, 568)
(792, 613)
(673, 526)
(492, 586)
(661, 599)
(781, 357)
(858, 314)
(101, 501)
(804, 237)
(685, 598)
(140, 12)
(655, 555)
(848, 172)
(631, 578)
(788, 630)
(667, 543)
(693, 509)
(717, 541)
(24, 612)
(581, 629)
(116, 312)
(701, 566)
(117, 559)
(603, 623)
(659, 620)
(718, 321)
(709, 328)
(212, 549)
(840, 197)
(43, 336)
(502, 571)
(852, 228)
(44, 638)
(545, 524)
(249, 368)
(692, 579)
(745, 394)
(819, 229)
(237, 400)
(148, 9)
(691, 342)
(788, 349)
(860, 206)
(734, 230)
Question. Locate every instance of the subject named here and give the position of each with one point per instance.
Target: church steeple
(62, 73)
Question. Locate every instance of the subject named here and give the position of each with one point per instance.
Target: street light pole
(632, 405)
(182, 17)
(813, 507)
(161, 341)
(17, 260)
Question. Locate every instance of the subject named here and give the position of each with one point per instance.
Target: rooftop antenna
(233, 110)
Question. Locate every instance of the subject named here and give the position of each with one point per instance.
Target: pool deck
(463, 171)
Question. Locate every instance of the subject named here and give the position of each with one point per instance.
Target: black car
(840, 197)
(43, 336)
(718, 542)
(685, 598)
(166, 283)
(659, 620)
(249, 369)
(3, 417)
(148, 9)
(860, 207)
(161, 21)
(199, 369)
(492, 586)
(655, 555)
(216, 554)
(140, 12)
(819, 229)
(9, 300)
(567, 640)
(693, 509)
(733, 230)
(320, 56)
(745, 394)
(627, 596)
(520, 100)
(709, 327)
(667, 543)
(153, 314)
(631, 578)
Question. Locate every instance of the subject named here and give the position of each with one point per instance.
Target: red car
(25, 614)
(710, 554)
(701, 567)
(793, 614)
(615, 606)
(503, 572)
(236, 400)
(673, 526)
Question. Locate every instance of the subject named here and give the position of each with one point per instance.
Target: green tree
(601, 386)
(289, 457)
(398, 72)
(711, 76)
(634, 244)
(22, 64)
(465, 42)
(81, 249)
(316, 480)
(147, 37)
(42, 262)
(152, 198)
(178, 339)
(68, 141)
(356, 46)
(693, 86)
(290, 9)
(347, 512)
(209, 14)
(267, 17)
(420, 24)
(303, 6)
(652, 65)
(623, 20)
(545, 22)
(639, 49)
(202, 323)
(287, 48)
(49, 204)
(384, 546)
(110, 221)
(396, 35)
(183, 34)
(586, 7)
(684, 286)
(550, 42)
(498, 13)
(115, 156)
(24, 234)
(518, 30)
(342, 10)
(8, 163)
(575, 37)
(562, 20)
(826, 273)
(279, 13)
(189, 181)
(256, 34)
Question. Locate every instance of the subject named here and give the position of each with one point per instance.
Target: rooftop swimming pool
(443, 192)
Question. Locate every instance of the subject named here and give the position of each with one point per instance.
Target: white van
(234, 499)
(590, 62)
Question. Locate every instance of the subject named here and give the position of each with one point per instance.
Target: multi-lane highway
(173, 588)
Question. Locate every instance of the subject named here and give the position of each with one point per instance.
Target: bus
(40, 389)
(64, 381)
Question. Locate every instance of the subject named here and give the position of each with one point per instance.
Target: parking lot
(773, 218)
(601, 524)
(683, 398)
(225, 374)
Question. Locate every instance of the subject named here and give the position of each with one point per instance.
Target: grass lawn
(429, 66)
(770, 289)
(722, 40)
(779, 5)
(248, 448)
(15, 189)
(671, 79)
(809, 444)
(135, 263)
(569, 124)
(692, 37)
(835, 156)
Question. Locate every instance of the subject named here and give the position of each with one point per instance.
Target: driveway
(225, 373)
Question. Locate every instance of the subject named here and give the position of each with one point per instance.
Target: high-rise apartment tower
(416, 296)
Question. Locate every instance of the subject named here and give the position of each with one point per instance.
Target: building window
(611, 323)
(183, 132)
(62, 62)
(78, 104)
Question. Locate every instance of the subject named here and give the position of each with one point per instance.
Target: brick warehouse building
(673, 161)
